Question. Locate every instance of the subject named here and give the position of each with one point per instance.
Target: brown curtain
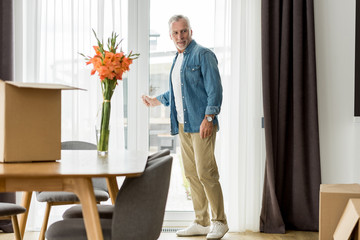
(292, 175)
(6, 40)
(6, 73)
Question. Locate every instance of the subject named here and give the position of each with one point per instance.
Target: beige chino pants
(202, 173)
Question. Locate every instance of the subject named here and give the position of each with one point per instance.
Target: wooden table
(72, 173)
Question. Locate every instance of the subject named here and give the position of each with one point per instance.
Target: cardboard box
(30, 121)
(348, 226)
(333, 200)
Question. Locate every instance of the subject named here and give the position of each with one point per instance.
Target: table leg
(25, 202)
(84, 190)
(15, 224)
(113, 188)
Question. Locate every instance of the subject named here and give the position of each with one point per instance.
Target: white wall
(335, 48)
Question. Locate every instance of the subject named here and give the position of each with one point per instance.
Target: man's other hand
(206, 129)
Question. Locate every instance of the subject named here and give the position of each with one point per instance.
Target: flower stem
(108, 89)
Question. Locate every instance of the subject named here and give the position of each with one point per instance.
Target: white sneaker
(217, 230)
(194, 229)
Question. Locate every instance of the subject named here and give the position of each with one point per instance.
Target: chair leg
(15, 223)
(45, 222)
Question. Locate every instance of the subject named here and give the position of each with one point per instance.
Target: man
(194, 97)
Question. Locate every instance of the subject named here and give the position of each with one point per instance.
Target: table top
(80, 163)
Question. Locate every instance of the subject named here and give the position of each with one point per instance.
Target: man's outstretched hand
(150, 101)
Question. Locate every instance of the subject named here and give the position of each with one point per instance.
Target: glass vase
(103, 129)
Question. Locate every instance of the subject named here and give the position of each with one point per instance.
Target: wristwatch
(209, 118)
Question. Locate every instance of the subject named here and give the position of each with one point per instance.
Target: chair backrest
(140, 203)
(77, 145)
(161, 153)
(98, 183)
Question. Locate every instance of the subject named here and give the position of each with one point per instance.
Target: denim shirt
(200, 86)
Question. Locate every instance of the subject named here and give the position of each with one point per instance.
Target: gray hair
(177, 18)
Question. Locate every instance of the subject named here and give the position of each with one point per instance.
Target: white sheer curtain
(53, 33)
(240, 139)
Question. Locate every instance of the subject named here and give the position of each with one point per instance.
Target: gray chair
(106, 211)
(139, 208)
(10, 211)
(65, 198)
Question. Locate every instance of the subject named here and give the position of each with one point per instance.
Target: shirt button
(184, 110)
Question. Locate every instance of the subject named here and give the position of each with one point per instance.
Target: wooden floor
(291, 235)
(251, 236)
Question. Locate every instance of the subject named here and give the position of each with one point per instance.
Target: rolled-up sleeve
(164, 98)
(212, 83)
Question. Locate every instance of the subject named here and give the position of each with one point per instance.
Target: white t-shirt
(176, 82)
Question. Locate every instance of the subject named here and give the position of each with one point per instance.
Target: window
(237, 47)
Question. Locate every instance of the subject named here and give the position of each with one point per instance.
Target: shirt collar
(188, 48)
